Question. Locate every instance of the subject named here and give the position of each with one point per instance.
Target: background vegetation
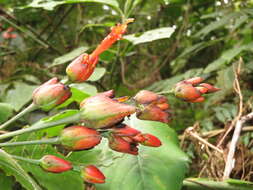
(169, 41)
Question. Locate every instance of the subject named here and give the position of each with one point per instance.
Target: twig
(230, 158)
(237, 89)
(195, 135)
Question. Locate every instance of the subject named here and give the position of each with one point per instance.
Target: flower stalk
(28, 109)
(42, 125)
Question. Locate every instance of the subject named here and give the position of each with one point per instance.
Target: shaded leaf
(69, 56)
(11, 167)
(20, 95)
(150, 35)
(6, 111)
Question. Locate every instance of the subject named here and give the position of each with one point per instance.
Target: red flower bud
(148, 140)
(79, 138)
(154, 107)
(92, 174)
(119, 144)
(153, 113)
(54, 164)
(188, 91)
(124, 131)
(101, 111)
(50, 94)
(81, 68)
(146, 97)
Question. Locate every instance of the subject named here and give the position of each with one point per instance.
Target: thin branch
(195, 135)
(230, 158)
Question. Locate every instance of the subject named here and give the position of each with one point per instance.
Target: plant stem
(43, 125)
(35, 142)
(166, 92)
(30, 108)
(32, 161)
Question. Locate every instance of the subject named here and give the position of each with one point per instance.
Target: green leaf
(150, 35)
(51, 4)
(97, 74)
(20, 95)
(154, 168)
(54, 131)
(50, 181)
(69, 56)
(6, 182)
(227, 57)
(11, 167)
(86, 88)
(6, 111)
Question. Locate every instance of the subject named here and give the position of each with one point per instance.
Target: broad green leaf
(154, 168)
(150, 35)
(11, 167)
(85, 88)
(54, 131)
(49, 181)
(69, 56)
(97, 74)
(6, 182)
(51, 4)
(6, 111)
(20, 95)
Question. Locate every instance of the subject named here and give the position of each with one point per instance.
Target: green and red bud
(120, 144)
(100, 111)
(92, 174)
(148, 140)
(79, 138)
(189, 92)
(81, 68)
(152, 106)
(55, 164)
(51, 94)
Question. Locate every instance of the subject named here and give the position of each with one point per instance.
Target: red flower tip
(148, 140)
(79, 138)
(120, 144)
(92, 174)
(51, 94)
(115, 34)
(124, 131)
(54, 164)
(188, 91)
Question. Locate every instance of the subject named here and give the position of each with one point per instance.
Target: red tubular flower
(8, 33)
(50, 94)
(79, 138)
(115, 34)
(152, 106)
(54, 164)
(100, 111)
(120, 144)
(81, 68)
(148, 140)
(92, 174)
(189, 92)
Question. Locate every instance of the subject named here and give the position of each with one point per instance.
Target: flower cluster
(103, 115)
